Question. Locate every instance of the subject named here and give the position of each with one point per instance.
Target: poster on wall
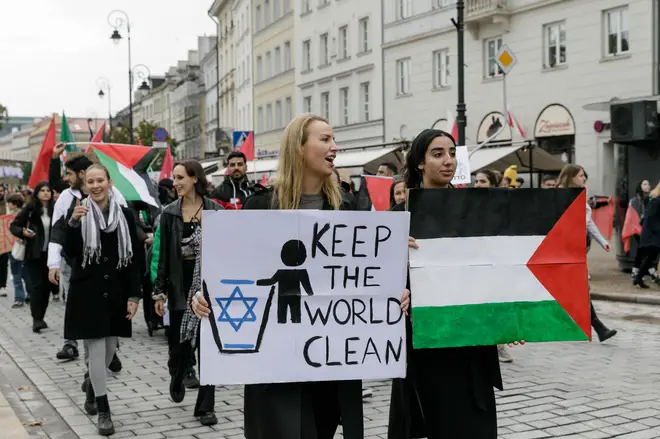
(314, 296)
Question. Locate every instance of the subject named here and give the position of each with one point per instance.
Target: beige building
(274, 74)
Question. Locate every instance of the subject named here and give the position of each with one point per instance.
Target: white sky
(53, 51)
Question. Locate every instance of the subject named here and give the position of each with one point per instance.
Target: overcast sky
(53, 51)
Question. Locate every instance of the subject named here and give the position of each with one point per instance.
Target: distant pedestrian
(14, 205)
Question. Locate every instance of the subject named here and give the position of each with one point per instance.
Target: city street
(572, 390)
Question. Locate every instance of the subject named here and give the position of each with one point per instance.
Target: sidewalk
(11, 425)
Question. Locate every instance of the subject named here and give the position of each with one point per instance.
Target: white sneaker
(503, 354)
(3, 292)
(367, 393)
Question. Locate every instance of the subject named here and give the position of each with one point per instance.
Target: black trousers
(39, 287)
(180, 360)
(4, 267)
(648, 257)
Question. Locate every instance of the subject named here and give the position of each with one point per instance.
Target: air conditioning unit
(634, 121)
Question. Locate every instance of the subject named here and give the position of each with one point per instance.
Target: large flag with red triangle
(378, 189)
(497, 266)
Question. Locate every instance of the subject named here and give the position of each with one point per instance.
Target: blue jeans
(17, 273)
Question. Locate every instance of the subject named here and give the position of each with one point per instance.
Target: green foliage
(144, 131)
(4, 115)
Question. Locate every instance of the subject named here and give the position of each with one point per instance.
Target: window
(343, 101)
(287, 56)
(323, 43)
(306, 6)
(288, 111)
(269, 117)
(260, 69)
(307, 53)
(286, 6)
(325, 105)
(403, 76)
(491, 47)
(443, 3)
(343, 42)
(278, 114)
(441, 68)
(364, 102)
(403, 9)
(266, 12)
(276, 9)
(364, 35)
(616, 31)
(278, 61)
(267, 69)
(260, 119)
(307, 104)
(257, 18)
(554, 39)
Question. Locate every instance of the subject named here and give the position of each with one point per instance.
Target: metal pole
(109, 110)
(130, 85)
(461, 120)
(505, 124)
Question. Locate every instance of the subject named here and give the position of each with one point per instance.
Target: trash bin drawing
(239, 312)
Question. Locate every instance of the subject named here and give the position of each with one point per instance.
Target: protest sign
(303, 296)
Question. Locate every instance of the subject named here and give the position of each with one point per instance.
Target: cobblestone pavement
(569, 390)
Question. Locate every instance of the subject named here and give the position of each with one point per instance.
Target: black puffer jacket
(30, 218)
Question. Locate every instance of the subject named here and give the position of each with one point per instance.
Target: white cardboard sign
(303, 295)
(462, 174)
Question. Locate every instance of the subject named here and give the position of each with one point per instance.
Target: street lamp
(104, 83)
(142, 72)
(459, 23)
(119, 19)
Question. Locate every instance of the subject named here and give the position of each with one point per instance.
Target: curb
(642, 299)
(11, 425)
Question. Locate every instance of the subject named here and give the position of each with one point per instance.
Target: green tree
(4, 115)
(144, 131)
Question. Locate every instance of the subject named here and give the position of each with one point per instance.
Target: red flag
(604, 217)
(379, 191)
(247, 147)
(40, 168)
(264, 180)
(98, 137)
(168, 163)
(631, 227)
(139, 142)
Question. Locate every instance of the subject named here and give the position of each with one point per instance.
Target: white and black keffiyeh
(190, 322)
(94, 222)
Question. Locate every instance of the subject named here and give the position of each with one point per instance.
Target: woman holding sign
(307, 410)
(447, 393)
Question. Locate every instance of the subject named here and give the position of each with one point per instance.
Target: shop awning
(500, 158)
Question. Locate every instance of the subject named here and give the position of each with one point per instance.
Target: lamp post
(103, 83)
(461, 120)
(142, 72)
(119, 19)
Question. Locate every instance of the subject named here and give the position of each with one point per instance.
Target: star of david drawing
(237, 296)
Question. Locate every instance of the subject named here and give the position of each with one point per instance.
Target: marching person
(33, 225)
(573, 176)
(14, 205)
(303, 410)
(649, 241)
(398, 192)
(176, 256)
(640, 202)
(447, 393)
(104, 289)
(235, 188)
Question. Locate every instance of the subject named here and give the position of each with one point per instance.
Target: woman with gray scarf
(105, 284)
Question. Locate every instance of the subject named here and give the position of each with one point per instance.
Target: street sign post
(160, 134)
(506, 59)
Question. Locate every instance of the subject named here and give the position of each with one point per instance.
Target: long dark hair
(35, 203)
(490, 176)
(194, 169)
(411, 173)
(394, 183)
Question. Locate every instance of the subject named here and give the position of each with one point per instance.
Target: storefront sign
(555, 120)
(490, 125)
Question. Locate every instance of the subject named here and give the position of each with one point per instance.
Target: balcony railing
(484, 7)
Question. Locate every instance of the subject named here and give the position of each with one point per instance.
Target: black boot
(603, 331)
(638, 281)
(90, 399)
(105, 426)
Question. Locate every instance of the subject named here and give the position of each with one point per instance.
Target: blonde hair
(567, 175)
(655, 192)
(289, 182)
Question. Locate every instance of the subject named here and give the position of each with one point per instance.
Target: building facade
(339, 67)
(242, 12)
(273, 72)
(208, 50)
(186, 100)
(223, 11)
(570, 55)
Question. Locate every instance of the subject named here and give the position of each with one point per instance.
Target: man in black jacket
(236, 188)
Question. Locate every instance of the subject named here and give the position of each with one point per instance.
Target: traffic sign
(506, 59)
(160, 134)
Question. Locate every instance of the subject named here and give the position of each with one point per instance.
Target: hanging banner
(320, 302)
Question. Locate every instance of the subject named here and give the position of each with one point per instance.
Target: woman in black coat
(302, 410)
(104, 289)
(32, 225)
(649, 241)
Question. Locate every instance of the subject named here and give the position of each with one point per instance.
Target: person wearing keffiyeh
(105, 283)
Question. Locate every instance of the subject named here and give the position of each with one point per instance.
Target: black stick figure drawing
(289, 280)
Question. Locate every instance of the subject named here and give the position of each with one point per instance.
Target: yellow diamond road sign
(506, 59)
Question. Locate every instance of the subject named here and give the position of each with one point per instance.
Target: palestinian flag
(128, 169)
(378, 189)
(496, 266)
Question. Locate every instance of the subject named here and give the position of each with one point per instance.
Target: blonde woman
(309, 410)
(573, 176)
(649, 241)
